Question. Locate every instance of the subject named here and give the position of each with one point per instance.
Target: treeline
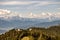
(33, 33)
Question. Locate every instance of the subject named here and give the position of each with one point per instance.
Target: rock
(27, 38)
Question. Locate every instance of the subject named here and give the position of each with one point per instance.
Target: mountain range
(10, 20)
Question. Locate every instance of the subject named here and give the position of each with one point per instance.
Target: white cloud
(16, 3)
(43, 15)
(58, 8)
(6, 29)
(6, 14)
(38, 3)
(42, 3)
(2, 11)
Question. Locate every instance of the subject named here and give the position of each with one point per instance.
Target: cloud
(4, 11)
(43, 3)
(58, 8)
(6, 29)
(9, 15)
(38, 3)
(48, 2)
(42, 15)
(16, 3)
(29, 0)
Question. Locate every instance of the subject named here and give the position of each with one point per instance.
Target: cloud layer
(15, 3)
(8, 14)
(30, 5)
(28, 2)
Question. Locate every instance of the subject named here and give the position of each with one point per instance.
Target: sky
(34, 6)
(30, 7)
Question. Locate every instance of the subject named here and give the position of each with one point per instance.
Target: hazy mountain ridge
(9, 19)
(8, 15)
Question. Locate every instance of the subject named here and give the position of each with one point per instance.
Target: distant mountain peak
(8, 15)
(2, 11)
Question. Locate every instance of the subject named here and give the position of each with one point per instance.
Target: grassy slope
(52, 33)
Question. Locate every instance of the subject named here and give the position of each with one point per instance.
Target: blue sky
(34, 6)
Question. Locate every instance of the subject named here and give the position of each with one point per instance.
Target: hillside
(33, 33)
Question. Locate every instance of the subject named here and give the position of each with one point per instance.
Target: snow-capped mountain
(9, 15)
(9, 19)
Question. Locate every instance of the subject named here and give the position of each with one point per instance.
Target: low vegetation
(33, 33)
